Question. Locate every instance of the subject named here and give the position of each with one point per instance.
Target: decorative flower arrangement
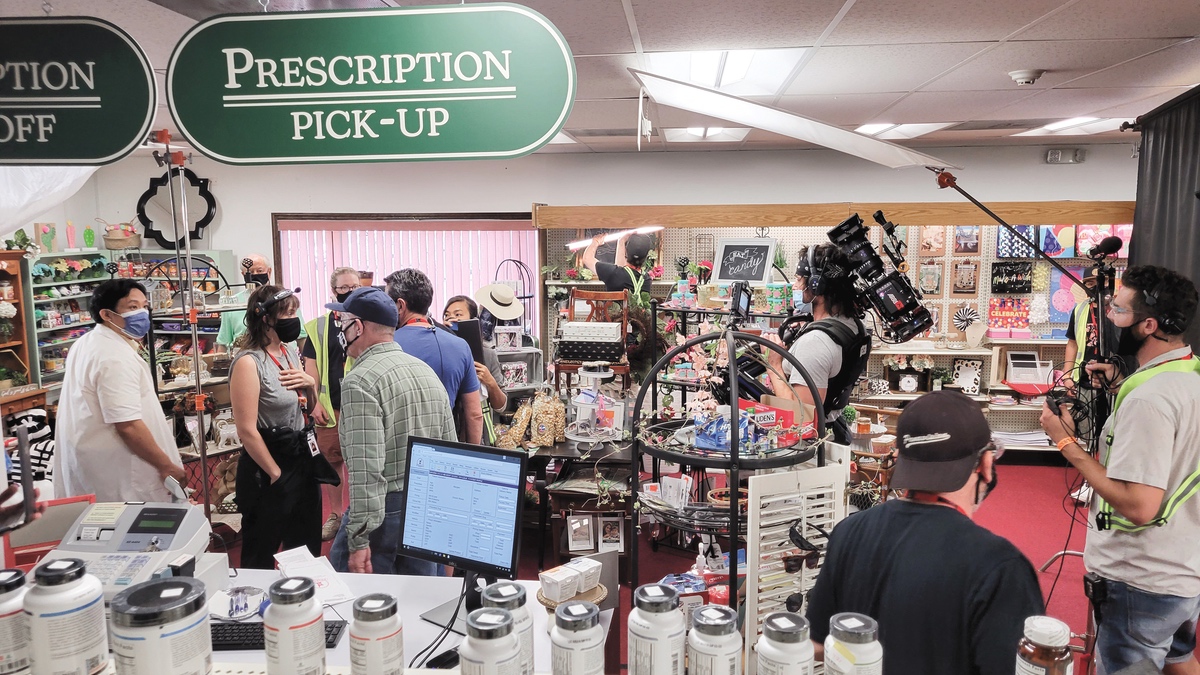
(7, 309)
(920, 363)
(586, 274)
(61, 270)
(571, 273)
(41, 272)
(74, 267)
(895, 361)
(657, 272)
(705, 268)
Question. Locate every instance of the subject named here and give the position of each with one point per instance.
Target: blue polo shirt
(448, 355)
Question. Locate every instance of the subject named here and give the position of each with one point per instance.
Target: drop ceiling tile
(837, 109)
(1178, 65)
(614, 114)
(606, 77)
(689, 25)
(874, 22)
(1067, 103)
(947, 106)
(1063, 61)
(157, 29)
(590, 26)
(1140, 107)
(1119, 19)
(878, 68)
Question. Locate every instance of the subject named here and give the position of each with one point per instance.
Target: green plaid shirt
(386, 397)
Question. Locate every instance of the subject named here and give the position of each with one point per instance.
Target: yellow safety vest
(317, 330)
(637, 280)
(1081, 315)
(1106, 518)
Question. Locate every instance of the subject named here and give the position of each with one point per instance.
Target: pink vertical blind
(458, 256)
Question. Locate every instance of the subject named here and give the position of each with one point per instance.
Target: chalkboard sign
(744, 260)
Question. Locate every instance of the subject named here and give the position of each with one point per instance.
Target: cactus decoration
(89, 237)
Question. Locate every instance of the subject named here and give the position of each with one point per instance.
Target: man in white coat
(113, 439)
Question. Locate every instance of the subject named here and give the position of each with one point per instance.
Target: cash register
(126, 543)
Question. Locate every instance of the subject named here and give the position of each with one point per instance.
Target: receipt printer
(126, 543)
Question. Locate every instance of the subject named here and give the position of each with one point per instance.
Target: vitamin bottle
(1044, 650)
(294, 628)
(491, 647)
(376, 636)
(852, 646)
(784, 648)
(511, 596)
(14, 629)
(577, 640)
(656, 631)
(714, 645)
(66, 600)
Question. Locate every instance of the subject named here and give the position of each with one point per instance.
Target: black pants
(285, 513)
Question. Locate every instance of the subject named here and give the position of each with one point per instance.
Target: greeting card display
(929, 281)
(966, 240)
(1088, 237)
(966, 278)
(1064, 294)
(1008, 313)
(1009, 245)
(1012, 277)
(933, 240)
(1058, 241)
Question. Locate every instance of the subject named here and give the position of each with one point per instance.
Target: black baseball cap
(939, 438)
(638, 246)
(369, 304)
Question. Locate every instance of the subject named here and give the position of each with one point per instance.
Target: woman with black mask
(277, 493)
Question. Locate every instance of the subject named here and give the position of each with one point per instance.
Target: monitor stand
(467, 600)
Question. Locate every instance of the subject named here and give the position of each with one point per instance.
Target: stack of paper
(298, 562)
(1011, 438)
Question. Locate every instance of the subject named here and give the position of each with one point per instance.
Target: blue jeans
(1136, 626)
(384, 541)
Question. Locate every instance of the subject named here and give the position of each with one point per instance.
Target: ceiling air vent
(999, 125)
(606, 133)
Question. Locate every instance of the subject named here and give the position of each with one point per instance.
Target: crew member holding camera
(1142, 556)
(834, 346)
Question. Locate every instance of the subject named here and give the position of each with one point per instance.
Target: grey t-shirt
(277, 406)
(820, 356)
(1156, 442)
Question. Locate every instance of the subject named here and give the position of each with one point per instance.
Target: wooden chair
(603, 306)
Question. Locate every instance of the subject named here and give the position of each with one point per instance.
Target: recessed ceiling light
(706, 135)
(1066, 124)
(904, 131)
(696, 131)
(872, 129)
(742, 72)
(560, 137)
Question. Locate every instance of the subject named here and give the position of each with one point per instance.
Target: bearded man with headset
(1142, 557)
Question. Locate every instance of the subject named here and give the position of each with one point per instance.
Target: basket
(720, 497)
(117, 242)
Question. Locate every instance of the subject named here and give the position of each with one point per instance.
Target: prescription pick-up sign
(480, 81)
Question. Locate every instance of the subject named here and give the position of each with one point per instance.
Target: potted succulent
(939, 376)
(41, 273)
(6, 379)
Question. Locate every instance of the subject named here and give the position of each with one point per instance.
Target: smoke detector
(1025, 77)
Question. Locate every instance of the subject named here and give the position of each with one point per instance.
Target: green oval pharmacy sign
(487, 81)
(73, 90)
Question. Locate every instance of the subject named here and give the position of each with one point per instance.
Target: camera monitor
(462, 507)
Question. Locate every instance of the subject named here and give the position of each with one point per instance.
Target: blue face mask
(800, 305)
(137, 323)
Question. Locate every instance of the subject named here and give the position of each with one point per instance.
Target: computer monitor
(462, 506)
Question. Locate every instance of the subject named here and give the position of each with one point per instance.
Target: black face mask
(982, 489)
(341, 297)
(260, 279)
(1128, 342)
(288, 329)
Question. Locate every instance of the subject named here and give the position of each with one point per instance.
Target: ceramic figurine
(49, 233)
(70, 235)
(89, 236)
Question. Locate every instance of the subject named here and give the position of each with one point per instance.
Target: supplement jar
(656, 631)
(161, 628)
(784, 648)
(376, 637)
(511, 596)
(66, 600)
(491, 647)
(294, 628)
(1044, 650)
(852, 647)
(14, 629)
(714, 645)
(577, 640)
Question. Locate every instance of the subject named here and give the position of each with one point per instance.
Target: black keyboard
(229, 635)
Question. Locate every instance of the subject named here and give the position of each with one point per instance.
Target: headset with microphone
(261, 308)
(1171, 321)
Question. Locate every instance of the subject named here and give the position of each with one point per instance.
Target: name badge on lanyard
(312, 443)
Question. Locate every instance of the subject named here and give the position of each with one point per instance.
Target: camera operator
(833, 348)
(1142, 556)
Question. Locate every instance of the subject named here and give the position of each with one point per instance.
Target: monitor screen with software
(462, 506)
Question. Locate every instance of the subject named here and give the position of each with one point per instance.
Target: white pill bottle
(14, 628)
(577, 640)
(376, 636)
(714, 645)
(66, 601)
(852, 646)
(656, 632)
(784, 648)
(491, 647)
(161, 628)
(294, 628)
(511, 596)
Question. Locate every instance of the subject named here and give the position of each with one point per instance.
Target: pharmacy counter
(416, 595)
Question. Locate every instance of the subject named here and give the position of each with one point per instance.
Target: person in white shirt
(113, 439)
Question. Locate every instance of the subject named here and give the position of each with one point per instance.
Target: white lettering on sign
(339, 124)
(20, 128)
(52, 75)
(344, 70)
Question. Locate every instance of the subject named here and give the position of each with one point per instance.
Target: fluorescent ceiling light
(560, 137)
(872, 129)
(713, 103)
(1066, 124)
(696, 131)
(709, 135)
(613, 236)
(905, 131)
(1089, 125)
(742, 72)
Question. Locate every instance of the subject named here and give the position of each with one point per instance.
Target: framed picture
(1012, 277)
(965, 281)
(966, 374)
(1009, 245)
(1058, 241)
(933, 240)
(744, 260)
(612, 534)
(929, 279)
(580, 533)
(966, 240)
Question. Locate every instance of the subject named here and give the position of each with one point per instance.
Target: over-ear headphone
(1171, 321)
(816, 279)
(261, 308)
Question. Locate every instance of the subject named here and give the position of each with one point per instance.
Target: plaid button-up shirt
(386, 397)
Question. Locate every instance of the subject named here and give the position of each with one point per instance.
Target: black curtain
(1166, 221)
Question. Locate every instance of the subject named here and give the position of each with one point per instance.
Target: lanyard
(286, 359)
(417, 320)
(926, 498)
(301, 398)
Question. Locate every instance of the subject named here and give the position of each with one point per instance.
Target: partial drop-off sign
(73, 90)
(480, 81)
